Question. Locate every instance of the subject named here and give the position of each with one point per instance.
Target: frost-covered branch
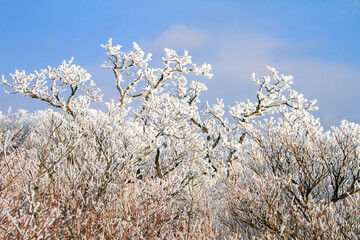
(166, 168)
(68, 79)
(135, 66)
(271, 98)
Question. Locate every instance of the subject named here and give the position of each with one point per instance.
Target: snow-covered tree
(163, 168)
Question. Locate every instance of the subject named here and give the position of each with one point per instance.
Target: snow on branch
(135, 65)
(170, 169)
(271, 98)
(68, 79)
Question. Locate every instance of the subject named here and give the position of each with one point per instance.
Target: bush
(162, 168)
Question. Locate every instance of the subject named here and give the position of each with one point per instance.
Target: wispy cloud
(234, 56)
(180, 37)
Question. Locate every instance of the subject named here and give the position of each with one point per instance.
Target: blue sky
(318, 42)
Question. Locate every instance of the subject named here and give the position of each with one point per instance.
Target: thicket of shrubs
(162, 168)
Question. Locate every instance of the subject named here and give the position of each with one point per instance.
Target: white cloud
(180, 37)
(238, 55)
(334, 85)
(234, 56)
